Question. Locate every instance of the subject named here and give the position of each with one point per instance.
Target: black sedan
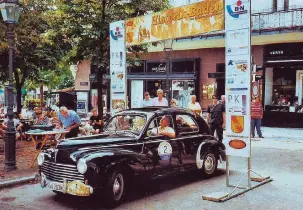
(145, 143)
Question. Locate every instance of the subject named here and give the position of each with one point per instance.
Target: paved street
(280, 159)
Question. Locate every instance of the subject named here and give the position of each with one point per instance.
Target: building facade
(277, 38)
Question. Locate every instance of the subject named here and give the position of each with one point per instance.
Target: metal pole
(167, 89)
(10, 133)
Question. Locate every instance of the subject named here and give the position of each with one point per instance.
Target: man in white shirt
(160, 100)
(164, 128)
(194, 106)
(147, 101)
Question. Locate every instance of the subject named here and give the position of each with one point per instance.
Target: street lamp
(168, 48)
(10, 12)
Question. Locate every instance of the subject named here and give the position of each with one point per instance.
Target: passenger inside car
(185, 125)
(164, 128)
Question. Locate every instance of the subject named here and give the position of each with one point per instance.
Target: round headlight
(40, 159)
(81, 166)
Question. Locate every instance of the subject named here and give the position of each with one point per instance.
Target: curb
(14, 182)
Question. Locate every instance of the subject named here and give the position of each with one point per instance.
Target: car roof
(156, 110)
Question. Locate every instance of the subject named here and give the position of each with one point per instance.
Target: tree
(85, 26)
(35, 50)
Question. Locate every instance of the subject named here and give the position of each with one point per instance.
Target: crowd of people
(70, 120)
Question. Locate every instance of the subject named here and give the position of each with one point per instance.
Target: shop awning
(66, 90)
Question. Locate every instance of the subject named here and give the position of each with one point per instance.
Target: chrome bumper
(76, 187)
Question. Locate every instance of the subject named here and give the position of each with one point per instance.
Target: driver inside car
(164, 128)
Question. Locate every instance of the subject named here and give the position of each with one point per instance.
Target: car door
(189, 137)
(162, 151)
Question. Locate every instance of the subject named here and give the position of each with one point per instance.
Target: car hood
(97, 140)
(71, 150)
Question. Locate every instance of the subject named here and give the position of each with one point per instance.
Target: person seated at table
(54, 118)
(96, 122)
(42, 118)
(70, 121)
(1, 131)
(17, 125)
(2, 114)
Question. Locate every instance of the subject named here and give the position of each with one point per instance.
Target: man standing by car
(70, 121)
(216, 117)
(256, 117)
(147, 101)
(160, 100)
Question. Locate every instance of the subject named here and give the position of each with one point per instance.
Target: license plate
(55, 186)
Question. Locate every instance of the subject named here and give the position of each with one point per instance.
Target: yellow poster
(190, 20)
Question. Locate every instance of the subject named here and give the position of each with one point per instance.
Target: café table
(47, 137)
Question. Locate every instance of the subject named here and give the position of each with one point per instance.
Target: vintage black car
(137, 144)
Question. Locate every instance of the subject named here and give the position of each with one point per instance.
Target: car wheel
(115, 188)
(210, 164)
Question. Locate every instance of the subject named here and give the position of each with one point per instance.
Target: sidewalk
(24, 155)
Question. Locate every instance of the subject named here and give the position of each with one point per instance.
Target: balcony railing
(279, 20)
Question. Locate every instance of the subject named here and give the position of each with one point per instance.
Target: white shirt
(165, 129)
(163, 102)
(146, 103)
(195, 106)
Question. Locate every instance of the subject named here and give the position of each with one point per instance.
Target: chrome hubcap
(209, 163)
(118, 187)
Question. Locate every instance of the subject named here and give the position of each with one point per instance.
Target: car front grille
(58, 171)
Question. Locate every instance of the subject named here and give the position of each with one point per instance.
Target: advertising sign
(238, 77)
(117, 66)
(190, 20)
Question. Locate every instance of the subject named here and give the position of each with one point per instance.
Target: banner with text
(189, 20)
(238, 77)
(117, 66)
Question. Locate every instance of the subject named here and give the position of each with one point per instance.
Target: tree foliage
(36, 53)
(84, 24)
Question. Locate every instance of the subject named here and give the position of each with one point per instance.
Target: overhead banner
(238, 77)
(117, 66)
(190, 20)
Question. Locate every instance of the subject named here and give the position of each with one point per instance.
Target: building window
(183, 66)
(137, 69)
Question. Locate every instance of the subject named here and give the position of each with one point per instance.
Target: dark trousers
(73, 133)
(217, 127)
(256, 124)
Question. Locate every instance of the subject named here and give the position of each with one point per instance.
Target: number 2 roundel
(165, 150)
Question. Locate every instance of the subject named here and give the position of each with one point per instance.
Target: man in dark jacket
(216, 117)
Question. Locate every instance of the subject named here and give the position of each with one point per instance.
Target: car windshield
(127, 123)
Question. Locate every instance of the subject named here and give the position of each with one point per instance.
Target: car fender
(204, 148)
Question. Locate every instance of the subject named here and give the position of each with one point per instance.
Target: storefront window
(182, 90)
(284, 86)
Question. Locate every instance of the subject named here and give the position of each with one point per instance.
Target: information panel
(238, 77)
(117, 66)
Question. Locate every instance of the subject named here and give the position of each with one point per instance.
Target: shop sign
(83, 83)
(238, 77)
(190, 20)
(117, 66)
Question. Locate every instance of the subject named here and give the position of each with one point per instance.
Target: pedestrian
(147, 101)
(173, 103)
(216, 117)
(256, 117)
(160, 100)
(222, 101)
(70, 121)
(194, 106)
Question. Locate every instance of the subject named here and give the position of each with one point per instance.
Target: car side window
(186, 124)
(160, 123)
